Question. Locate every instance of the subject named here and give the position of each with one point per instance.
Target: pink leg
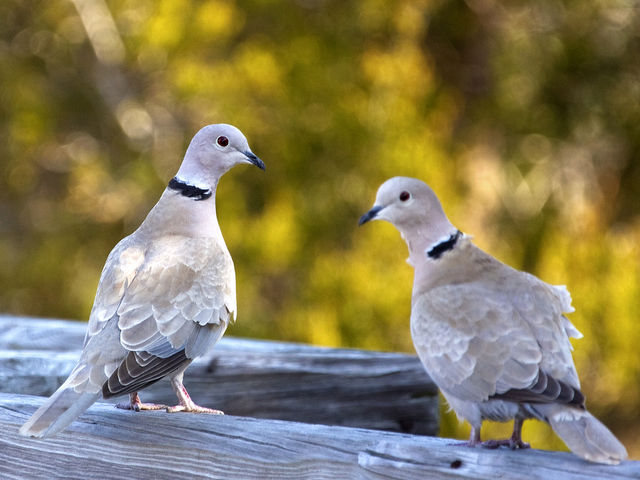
(474, 439)
(514, 443)
(186, 404)
(516, 436)
(136, 405)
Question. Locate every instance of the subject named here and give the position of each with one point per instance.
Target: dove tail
(587, 436)
(62, 408)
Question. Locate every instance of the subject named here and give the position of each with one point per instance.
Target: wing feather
(509, 337)
(170, 297)
(184, 283)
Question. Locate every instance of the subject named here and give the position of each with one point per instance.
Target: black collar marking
(438, 249)
(190, 191)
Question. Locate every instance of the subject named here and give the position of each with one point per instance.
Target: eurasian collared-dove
(494, 339)
(166, 294)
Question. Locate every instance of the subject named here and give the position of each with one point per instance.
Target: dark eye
(404, 196)
(222, 141)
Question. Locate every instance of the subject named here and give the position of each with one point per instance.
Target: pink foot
(193, 408)
(474, 439)
(188, 405)
(136, 405)
(468, 443)
(512, 443)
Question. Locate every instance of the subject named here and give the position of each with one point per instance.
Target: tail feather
(62, 408)
(587, 436)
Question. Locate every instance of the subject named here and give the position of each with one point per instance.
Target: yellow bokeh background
(523, 116)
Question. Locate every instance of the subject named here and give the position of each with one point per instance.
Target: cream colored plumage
(166, 294)
(494, 339)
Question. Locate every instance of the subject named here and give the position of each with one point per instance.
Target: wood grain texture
(107, 443)
(260, 379)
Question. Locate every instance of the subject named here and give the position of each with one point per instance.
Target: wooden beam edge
(105, 443)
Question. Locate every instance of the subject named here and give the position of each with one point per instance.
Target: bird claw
(519, 444)
(139, 406)
(465, 444)
(492, 444)
(186, 404)
(136, 405)
(513, 444)
(193, 409)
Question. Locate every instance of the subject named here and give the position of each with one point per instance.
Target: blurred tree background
(523, 116)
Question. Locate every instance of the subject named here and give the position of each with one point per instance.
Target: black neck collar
(439, 248)
(190, 191)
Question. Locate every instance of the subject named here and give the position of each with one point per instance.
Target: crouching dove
(166, 293)
(494, 339)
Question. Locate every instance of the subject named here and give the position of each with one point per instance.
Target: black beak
(254, 159)
(370, 215)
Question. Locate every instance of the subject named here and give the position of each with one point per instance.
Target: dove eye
(404, 196)
(222, 141)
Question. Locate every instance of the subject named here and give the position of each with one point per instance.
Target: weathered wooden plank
(29, 333)
(441, 458)
(107, 443)
(249, 378)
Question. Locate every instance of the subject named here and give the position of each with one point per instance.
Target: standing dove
(494, 339)
(166, 294)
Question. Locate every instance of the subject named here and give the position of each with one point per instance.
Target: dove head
(412, 207)
(214, 150)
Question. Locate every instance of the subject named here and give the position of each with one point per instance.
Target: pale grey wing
(543, 307)
(175, 309)
(184, 284)
(476, 344)
(121, 267)
(102, 351)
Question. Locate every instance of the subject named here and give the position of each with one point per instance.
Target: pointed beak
(254, 159)
(370, 215)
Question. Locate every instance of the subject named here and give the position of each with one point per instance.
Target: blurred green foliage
(524, 117)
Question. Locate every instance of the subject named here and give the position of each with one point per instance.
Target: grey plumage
(166, 294)
(494, 339)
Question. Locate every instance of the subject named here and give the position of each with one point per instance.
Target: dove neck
(442, 246)
(453, 263)
(442, 243)
(423, 238)
(180, 214)
(190, 191)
